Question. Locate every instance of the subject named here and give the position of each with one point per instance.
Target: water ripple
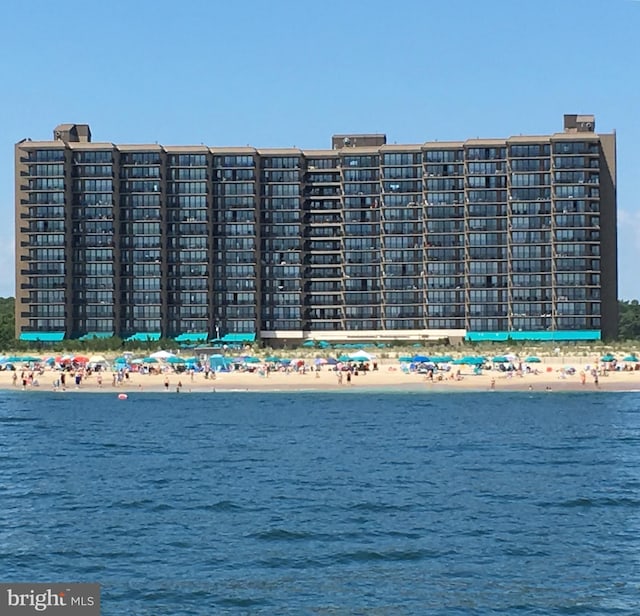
(327, 503)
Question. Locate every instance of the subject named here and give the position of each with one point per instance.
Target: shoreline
(374, 382)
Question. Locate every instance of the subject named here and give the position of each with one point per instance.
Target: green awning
(143, 337)
(192, 337)
(238, 338)
(42, 336)
(97, 335)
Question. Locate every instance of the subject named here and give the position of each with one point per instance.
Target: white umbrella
(362, 355)
(97, 359)
(162, 355)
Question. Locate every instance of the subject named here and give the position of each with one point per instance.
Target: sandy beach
(548, 376)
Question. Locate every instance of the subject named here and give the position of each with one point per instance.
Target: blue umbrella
(419, 359)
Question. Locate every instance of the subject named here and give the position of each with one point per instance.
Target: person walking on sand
(493, 383)
(166, 383)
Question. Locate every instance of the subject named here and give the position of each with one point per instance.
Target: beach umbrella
(148, 360)
(309, 343)
(607, 357)
(362, 356)
(323, 344)
(29, 358)
(272, 359)
(500, 359)
(80, 359)
(630, 358)
(175, 360)
(532, 360)
(162, 355)
(252, 360)
(331, 361)
(97, 359)
(120, 360)
(344, 358)
(419, 359)
(12, 359)
(472, 360)
(444, 359)
(320, 361)
(405, 358)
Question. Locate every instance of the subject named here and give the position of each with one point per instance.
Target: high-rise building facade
(484, 239)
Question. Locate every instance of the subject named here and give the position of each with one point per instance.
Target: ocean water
(326, 503)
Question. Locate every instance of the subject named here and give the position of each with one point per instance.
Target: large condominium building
(483, 239)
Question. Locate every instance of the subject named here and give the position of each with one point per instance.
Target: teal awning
(238, 338)
(42, 336)
(192, 337)
(555, 335)
(143, 337)
(97, 335)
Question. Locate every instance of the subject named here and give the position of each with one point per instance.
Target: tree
(629, 320)
(7, 322)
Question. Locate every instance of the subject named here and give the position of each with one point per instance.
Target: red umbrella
(81, 359)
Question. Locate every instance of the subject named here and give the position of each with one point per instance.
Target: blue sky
(289, 73)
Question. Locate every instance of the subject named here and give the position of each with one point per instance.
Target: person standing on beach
(166, 383)
(493, 383)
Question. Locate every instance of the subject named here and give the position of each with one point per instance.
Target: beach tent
(219, 363)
